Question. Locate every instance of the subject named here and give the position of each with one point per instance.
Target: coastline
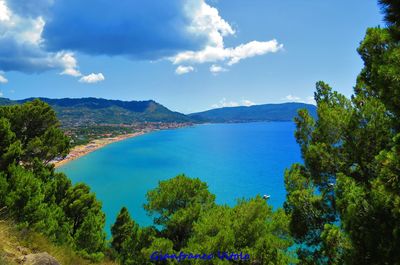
(82, 150)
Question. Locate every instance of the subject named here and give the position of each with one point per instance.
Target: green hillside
(95, 111)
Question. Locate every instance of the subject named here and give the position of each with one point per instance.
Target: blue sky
(189, 55)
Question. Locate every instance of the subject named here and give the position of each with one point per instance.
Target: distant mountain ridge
(95, 111)
(265, 112)
(90, 111)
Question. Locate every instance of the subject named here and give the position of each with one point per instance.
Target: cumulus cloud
(4, 12)
(133, 28)
(21, 44)
(252, 49)
(224, 103)
(3, 79)
(37, 36)
(70, 64)
(216, 69)
(233, 55)
(92, 78)
(181, 70)
(207, 22)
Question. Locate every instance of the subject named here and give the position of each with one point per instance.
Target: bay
(236, 160)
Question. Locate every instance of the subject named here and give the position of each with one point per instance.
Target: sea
(240, 160)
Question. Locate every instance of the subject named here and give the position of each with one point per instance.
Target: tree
(37, 197)
(344, 202)
(90, 236)
(176, 204)
(251, 227)
(25, 197)
(87, 220)
(391, 10)
(122, 229)
(129, 241)
(37, 128)
(10, 148)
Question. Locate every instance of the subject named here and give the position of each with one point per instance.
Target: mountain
(266, 112)
(94, 111)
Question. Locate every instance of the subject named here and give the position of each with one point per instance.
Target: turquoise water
(236, 160)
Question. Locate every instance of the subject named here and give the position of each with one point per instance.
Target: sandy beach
(82, 150)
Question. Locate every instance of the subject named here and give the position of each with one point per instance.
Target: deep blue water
(236, 160)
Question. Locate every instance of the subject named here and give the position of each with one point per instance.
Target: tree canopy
(344, 201)
(37, 197)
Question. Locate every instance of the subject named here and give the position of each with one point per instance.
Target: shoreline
(82, 150)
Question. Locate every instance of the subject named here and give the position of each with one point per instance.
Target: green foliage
(36, 197)
(129, 241)
(189, 221)
(177, 204)
(121, 230)
(391, 9)
(36, 128)
(90, 236)
(250, 227)
(338, 179)
(344, 202)
(379, 77)
(83, 211)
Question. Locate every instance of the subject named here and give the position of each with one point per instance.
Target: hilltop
(96, 111)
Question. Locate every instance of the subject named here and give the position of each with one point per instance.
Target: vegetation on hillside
(87, 119)
(33, 194)
(16, 245)
(97, 111)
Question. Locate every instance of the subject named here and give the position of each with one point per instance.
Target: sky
(189, 55)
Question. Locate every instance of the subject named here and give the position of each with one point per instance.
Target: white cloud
(252, 49)
(292, 98)
(216, 69)
(3, 79)
(1, 94)
(212, 54)
(224, 103)
(70, 64)
(207, 22)
(181, 70)
(92, 78)
(21, 45)
(25, 27)
(4, 12)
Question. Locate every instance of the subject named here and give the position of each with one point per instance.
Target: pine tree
(122, 229)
